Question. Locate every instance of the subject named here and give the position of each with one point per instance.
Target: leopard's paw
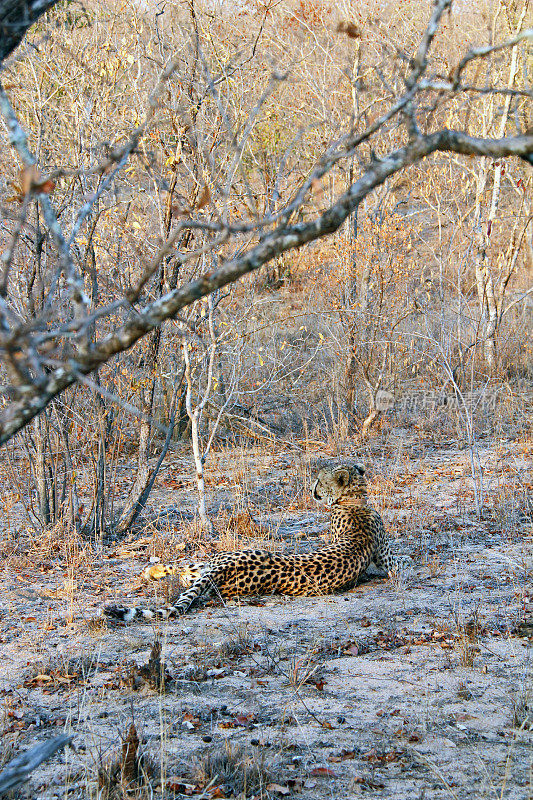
(157, 572)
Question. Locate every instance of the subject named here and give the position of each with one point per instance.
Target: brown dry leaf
(323, 772)
(32, 180)
(179, 786)
(393, 755)
(351, 30)
(204, 198)
(344, 755)
(245, 720)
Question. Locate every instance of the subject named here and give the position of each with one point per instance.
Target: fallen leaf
(319, 772)
(216, 791)
(178, 786)
(245, 720)
(344, 755)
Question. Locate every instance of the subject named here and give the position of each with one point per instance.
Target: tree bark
(16, 16)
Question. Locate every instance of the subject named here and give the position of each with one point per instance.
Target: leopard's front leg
(206, 585)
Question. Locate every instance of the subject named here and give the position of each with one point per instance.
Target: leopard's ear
(360, 469)
(342, 476)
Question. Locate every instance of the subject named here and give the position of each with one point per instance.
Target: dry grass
(522, 706)
(241, 524)
(242, 772)
(467, 638)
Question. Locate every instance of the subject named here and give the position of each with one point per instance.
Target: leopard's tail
(128, 614)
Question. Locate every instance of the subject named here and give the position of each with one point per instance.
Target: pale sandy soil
(422, 689)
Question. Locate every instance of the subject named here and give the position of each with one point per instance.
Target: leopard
(357, 538)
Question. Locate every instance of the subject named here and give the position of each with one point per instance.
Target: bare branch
(482, 52)
(19, 769)
(273, 244)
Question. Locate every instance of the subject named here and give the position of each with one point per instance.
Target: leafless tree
(74, 319)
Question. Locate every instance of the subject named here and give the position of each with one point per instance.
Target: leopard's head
(342, 486)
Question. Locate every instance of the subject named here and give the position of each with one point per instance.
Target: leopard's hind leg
(385, 559)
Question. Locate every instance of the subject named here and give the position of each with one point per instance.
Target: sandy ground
(418, 688)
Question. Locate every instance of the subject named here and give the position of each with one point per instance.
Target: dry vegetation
(166, 145)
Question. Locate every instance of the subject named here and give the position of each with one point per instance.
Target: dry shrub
(237, 769)
(468, 635)
(171, 542)
(59, 542)
(127, 776)
(238, 531)
(241, 524)
(510, 509)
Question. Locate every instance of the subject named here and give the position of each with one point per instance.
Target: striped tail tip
(121, 613)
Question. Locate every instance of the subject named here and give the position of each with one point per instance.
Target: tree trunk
(350, 296)
(369, 421)
(129, 512)
(484, 279)
(39, 469)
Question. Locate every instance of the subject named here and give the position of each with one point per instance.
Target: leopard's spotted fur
(358, 535)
